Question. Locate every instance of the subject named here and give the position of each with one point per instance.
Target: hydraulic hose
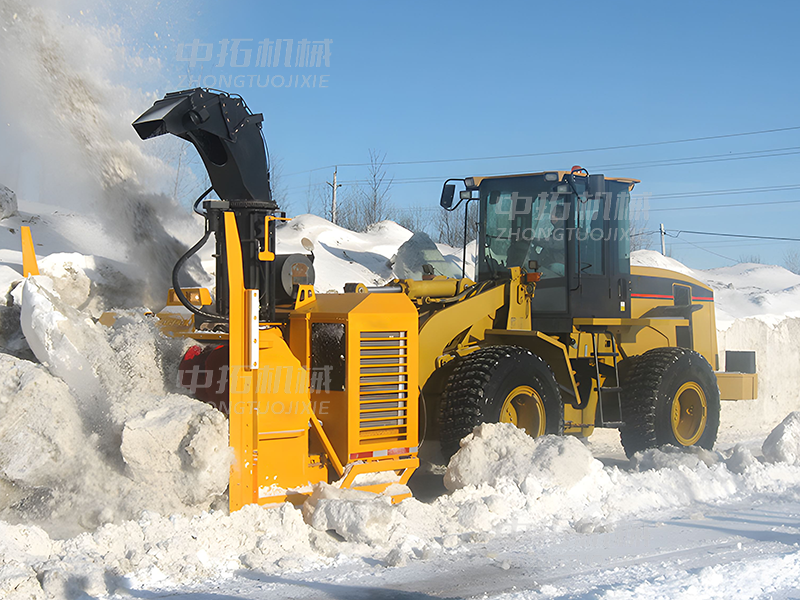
(199, 200)
(176, 286)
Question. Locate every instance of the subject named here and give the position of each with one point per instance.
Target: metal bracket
(251, 314)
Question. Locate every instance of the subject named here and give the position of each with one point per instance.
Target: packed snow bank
(417, 251)
(650, 258)
(777, 360)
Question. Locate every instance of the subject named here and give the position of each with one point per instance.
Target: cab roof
(561, 175)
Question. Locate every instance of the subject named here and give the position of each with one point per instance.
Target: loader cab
(571, 227)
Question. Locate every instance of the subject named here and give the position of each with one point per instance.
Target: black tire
(659, 382)
(480, 388)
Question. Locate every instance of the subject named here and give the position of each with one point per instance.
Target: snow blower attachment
(317, 387)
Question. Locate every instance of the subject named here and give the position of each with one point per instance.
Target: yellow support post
(29, 265)
(242, 387)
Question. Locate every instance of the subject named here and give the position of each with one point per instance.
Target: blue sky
(427, 81)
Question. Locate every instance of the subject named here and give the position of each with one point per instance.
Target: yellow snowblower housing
(316, 387)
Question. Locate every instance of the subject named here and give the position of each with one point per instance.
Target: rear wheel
(504, 384)
(669, 396)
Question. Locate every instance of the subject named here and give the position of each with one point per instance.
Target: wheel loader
(556, 332)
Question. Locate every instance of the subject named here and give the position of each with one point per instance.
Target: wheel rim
(524, 408)
(689, 413)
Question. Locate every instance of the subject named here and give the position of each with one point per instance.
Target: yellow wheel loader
(556, 332)
(559, 333)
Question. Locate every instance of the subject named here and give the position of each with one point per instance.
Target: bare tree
(750, 258)
(450, 225)
(277, 183)
(791, 260)
(640, 239)
(412, 218)
(360, 206)
(349, 211)
(374, 205)
(450, 228)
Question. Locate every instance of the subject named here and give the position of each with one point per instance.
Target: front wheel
(499, 384)
(669, 396)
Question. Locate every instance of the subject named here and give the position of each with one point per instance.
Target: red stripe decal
(357, 455)
(390, 452)
(657, 296)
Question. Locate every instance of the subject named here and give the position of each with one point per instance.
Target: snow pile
(417, 251)
(155, 551)
(354, 515)
(783, 444)
(8, 203)
(154, 548)
(651, 258)
(343, 256)
(95, 433)
(494, 452)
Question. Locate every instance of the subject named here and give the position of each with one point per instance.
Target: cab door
(600, 252)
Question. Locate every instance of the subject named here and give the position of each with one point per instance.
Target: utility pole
(663, 244)
(334, 185)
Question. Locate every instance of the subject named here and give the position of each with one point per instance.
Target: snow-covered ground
(112, 481)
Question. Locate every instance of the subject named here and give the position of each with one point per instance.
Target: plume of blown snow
(67, 129)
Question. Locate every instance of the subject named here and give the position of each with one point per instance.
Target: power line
(560, 152)
(729, 244)
(707, 250)
(731, 191)
(710, 206)
(736, 235)
(711, 158)
(690, 160)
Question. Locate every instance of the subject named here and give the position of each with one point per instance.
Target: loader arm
(459, 326)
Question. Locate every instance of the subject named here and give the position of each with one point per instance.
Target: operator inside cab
(524, 225)
(534, 231)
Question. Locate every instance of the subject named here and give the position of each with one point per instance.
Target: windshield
(525, 220)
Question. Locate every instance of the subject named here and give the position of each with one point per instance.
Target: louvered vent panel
(383, 386)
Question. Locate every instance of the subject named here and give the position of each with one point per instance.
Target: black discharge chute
(228, 137)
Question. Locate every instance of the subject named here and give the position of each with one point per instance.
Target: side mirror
(448, 192)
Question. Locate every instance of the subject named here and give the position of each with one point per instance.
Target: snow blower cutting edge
(317, 387)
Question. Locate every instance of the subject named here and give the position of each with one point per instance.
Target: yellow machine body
(454, 323)
(329, 387)
(344, 408)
